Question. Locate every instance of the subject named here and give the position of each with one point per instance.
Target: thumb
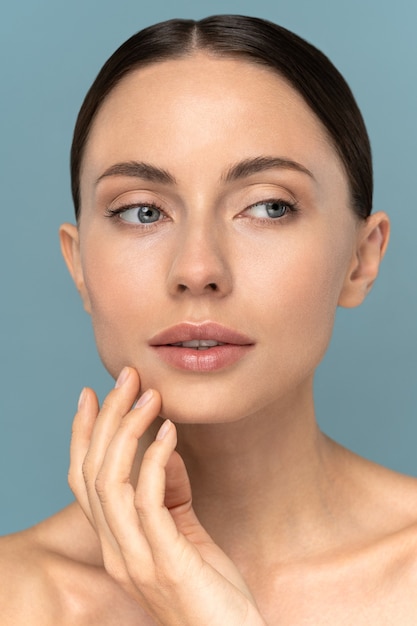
(177, 486)
(178, 500)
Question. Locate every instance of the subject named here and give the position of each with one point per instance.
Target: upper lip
(187, 331)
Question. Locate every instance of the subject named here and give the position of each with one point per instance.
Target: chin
(184, 411)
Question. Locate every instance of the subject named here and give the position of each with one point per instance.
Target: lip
(187, 331)
(235, 346)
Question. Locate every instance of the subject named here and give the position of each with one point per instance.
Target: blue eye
(142, 214)
(273, 209)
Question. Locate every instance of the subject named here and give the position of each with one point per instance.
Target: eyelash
(113, 213)
(292, 209)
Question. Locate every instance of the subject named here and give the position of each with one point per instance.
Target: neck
(266, 477)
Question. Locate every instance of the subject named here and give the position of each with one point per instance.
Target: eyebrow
(138, 169)
(248, 167)
(243, 169)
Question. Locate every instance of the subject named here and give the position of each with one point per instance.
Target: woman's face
(214, 208)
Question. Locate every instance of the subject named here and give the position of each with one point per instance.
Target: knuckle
(142, 576)
(101, 487)
(116, 569)
(85, 468)
(140, 505)
(104, 488)
(89, 474)
(72, 480)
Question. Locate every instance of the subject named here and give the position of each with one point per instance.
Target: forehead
(205, 107)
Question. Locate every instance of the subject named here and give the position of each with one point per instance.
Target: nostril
(183, 287)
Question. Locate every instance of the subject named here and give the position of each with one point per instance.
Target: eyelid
(118, 212)
(130, 198)
(115, 209)
(291, 204)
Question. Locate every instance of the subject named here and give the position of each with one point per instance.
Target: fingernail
(162, 432)
(144, 399)
(123, 376)
(81, 399)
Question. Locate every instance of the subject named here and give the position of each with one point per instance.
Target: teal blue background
(50, 52)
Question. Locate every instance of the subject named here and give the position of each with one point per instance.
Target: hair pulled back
(305, 67)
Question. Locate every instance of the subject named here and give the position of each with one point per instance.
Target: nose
(200, 264)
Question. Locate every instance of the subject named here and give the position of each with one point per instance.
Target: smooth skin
(237, 510)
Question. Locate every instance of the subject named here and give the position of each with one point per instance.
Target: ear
(371, 244)
(70, 248)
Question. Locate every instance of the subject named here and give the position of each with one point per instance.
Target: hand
(152, 542)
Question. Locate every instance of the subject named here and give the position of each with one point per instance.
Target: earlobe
(70, 248)
(372, 241)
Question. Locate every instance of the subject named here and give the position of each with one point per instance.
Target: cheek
(295, 295)
(120, 286)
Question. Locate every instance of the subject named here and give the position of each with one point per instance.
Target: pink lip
(236, 345)
(187, 331)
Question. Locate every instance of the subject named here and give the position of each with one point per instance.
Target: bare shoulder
(369, 575)
(390, 520)
(39, 568)
(397, 562)
(393, 497)
(24, 589)
(53, 574)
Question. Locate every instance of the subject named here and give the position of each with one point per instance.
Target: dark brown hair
(307, 69)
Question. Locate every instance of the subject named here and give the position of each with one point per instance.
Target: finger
(113, 484)
(178, 500)
(115, 406)
(82, 428)
(117, 403)
(178, 488)
(177, 539)
(150, 498)
(165, 489)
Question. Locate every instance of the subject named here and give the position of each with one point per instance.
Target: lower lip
(210, 360)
